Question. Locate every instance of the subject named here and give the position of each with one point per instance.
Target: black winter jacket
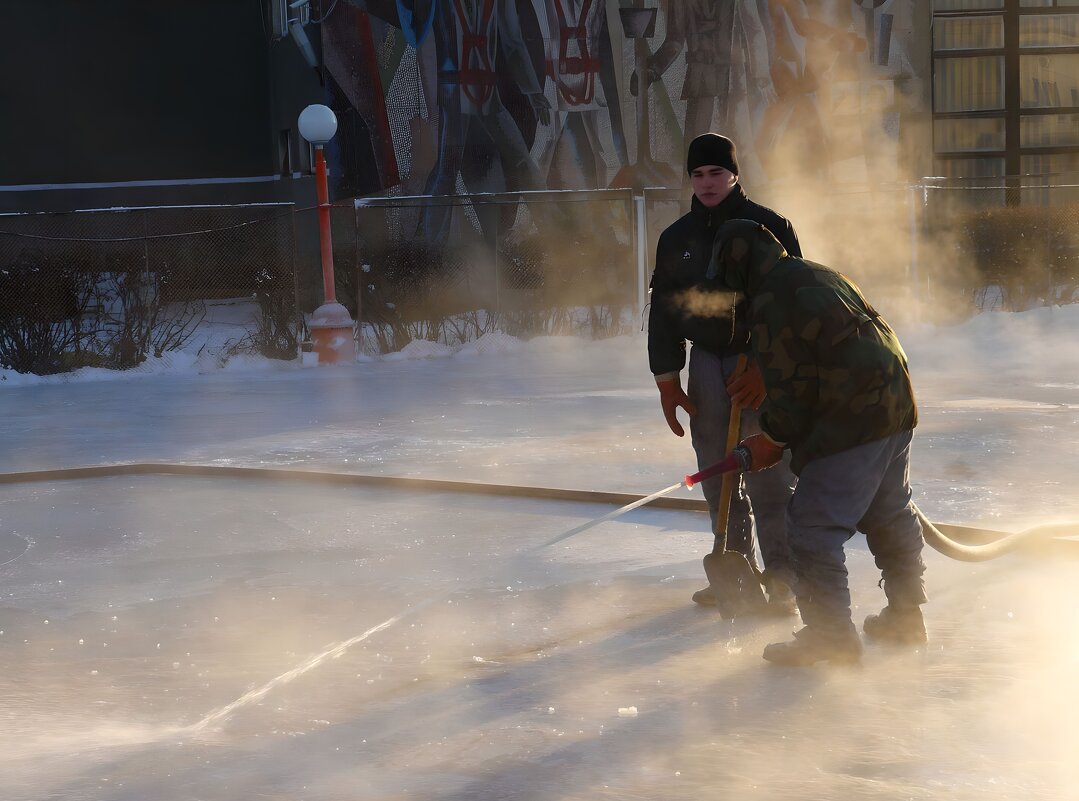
(681, 308)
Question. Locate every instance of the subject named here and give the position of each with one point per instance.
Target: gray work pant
(867, 489)
(759, 501)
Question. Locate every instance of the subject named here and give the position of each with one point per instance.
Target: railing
(453, 268)
(114, 288)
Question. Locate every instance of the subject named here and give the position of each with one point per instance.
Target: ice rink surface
(175, 638)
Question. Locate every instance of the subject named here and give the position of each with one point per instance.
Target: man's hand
(671, 397)
(763, 451)
(747, 387)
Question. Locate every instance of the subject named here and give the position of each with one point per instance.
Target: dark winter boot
(810, 646)
(897, 625)
(781, 600)
(705, 597)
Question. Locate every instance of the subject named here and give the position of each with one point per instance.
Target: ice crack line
(330, 653)
(336, 650)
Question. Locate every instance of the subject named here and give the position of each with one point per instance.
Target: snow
(174, 637)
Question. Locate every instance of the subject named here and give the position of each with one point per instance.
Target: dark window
(284, 151)
(1006, 88)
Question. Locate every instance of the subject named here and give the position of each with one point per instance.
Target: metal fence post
(641, 245)
(924, 217)
(356, 206)
(494, 259)
(912, 214)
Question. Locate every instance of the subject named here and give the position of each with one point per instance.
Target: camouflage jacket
(835, 373)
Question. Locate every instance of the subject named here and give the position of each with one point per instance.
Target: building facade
(131, 103)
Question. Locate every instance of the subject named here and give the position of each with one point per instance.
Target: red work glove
(671, 397)
(763, 450)
(747, 387)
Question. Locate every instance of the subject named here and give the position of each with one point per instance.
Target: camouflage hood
(743, 253)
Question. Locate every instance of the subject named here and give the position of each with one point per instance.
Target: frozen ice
(223, 638)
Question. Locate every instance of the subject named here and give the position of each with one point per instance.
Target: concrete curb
(962, 534)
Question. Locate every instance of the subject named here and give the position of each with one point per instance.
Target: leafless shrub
(41, 307)
(134, 323)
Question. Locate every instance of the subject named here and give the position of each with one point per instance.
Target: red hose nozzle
(738, 459)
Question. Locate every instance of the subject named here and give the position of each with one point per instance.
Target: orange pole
(325, 238)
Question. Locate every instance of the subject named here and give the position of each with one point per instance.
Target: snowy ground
(192, 638)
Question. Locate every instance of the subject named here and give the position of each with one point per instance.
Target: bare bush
(42, 302)
(133, 322)
(1025, 256)
(277, 333)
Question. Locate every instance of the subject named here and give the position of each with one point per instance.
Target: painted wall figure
(587, 122)
(470, 36)
(793, 136)
(467, 101)
(726, 51)
(348, 52)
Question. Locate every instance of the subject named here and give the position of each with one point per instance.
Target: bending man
(840, 401)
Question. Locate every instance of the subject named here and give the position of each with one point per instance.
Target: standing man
(687, 306)
(840, 400)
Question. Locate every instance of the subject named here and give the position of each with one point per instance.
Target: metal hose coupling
(739, 459)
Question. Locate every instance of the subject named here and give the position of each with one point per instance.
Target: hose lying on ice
(983, 552)
(740, 459)
(934, 537)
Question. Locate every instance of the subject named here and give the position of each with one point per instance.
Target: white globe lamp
(318, 124)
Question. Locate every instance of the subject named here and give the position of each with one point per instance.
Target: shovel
(735, 584)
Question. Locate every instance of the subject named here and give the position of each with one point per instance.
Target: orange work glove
(671, 397)
(747, 387)
(764, 452)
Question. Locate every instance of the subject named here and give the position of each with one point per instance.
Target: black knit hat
(711, 148)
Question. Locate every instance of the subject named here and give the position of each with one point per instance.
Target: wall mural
(460, 96)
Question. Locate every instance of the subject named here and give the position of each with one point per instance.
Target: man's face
(712, 184)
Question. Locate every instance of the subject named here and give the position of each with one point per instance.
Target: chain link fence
(1006, 244)
(454, 268)
(871, 235)
(115, 288)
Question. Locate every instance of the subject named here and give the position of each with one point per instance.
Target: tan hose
(983, 552)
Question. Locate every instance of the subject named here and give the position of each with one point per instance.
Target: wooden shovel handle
(734, 427)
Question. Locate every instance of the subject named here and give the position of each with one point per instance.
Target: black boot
(897, 625)
(781, 600)
(705, 597)
(810, 646)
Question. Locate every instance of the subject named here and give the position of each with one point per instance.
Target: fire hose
(740, 459)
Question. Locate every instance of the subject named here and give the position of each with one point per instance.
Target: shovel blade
(735, 584)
